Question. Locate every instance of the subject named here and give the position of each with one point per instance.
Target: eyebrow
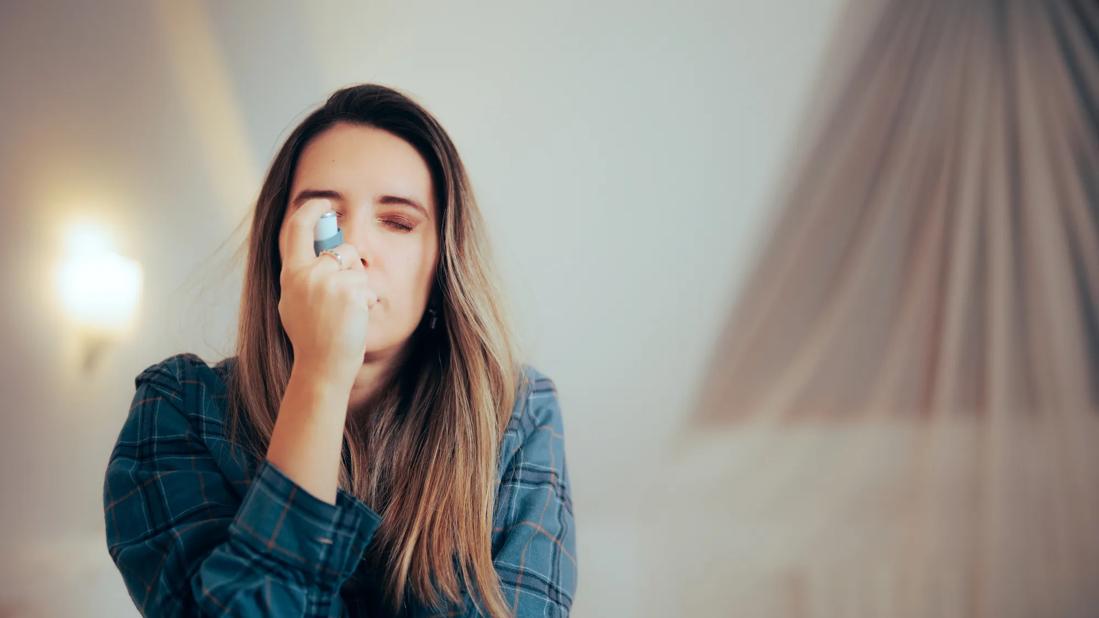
(398, 200)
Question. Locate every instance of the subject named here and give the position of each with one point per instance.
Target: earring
(434, 316)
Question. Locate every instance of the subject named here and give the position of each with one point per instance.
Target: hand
(324, 308)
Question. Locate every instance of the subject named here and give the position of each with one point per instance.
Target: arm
(307, 440)
(535, 552)
(186, 545)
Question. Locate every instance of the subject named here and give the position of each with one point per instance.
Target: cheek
(416, 273)
(408, 271)
(429, 260)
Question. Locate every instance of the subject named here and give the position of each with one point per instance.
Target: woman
(375, 447)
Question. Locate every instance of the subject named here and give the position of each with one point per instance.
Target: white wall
(624, 154)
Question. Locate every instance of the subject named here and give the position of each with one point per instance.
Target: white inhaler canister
(326, 234)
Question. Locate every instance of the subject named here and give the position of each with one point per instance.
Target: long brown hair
(424, 453)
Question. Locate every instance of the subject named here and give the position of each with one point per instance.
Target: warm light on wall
(99, 290)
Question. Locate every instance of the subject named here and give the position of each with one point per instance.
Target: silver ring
(339, 258)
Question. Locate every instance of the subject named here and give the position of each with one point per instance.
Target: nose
(359, 233)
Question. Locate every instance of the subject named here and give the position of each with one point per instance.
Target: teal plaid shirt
(199, 529)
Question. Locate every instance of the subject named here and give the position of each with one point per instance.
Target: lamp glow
(99, 290)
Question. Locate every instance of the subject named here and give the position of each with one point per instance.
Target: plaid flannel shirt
(197, 528)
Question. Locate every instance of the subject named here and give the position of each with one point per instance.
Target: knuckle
(349, 253)
(331, 285)
(346, 289)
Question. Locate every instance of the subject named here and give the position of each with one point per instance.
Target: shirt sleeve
(535, 554)
(186, 544)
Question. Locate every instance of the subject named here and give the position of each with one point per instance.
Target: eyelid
(400, 220)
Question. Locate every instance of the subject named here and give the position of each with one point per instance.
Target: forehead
(363, 159)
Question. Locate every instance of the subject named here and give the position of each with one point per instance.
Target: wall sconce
(99, 291)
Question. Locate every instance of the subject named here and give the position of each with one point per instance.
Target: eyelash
(398, 225)
(393, 223)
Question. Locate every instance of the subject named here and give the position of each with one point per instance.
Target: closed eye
(398, 225)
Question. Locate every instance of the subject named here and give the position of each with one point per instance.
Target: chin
(376, 346)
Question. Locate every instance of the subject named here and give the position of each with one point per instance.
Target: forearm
(276, 550)
(307, 441)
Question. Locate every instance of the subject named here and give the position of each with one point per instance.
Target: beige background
(623, 153)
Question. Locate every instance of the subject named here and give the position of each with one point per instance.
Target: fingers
(349, 255)
(352, 271)
(296, 235)
(359, 285)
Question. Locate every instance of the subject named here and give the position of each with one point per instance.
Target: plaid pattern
(197, 528)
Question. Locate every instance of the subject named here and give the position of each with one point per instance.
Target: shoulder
(190, 386)
(182, 370)
(536, 401)
(537, 409)
(180, 409)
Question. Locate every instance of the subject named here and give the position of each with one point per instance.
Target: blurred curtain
(939, 251)
(900, 418)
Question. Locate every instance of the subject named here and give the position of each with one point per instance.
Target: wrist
(322, 375)
(323, 387)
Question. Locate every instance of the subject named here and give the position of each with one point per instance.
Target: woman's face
(380, 187)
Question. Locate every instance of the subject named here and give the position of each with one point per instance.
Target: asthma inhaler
(326, 234)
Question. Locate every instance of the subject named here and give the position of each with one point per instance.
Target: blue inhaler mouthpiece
(326, 234)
